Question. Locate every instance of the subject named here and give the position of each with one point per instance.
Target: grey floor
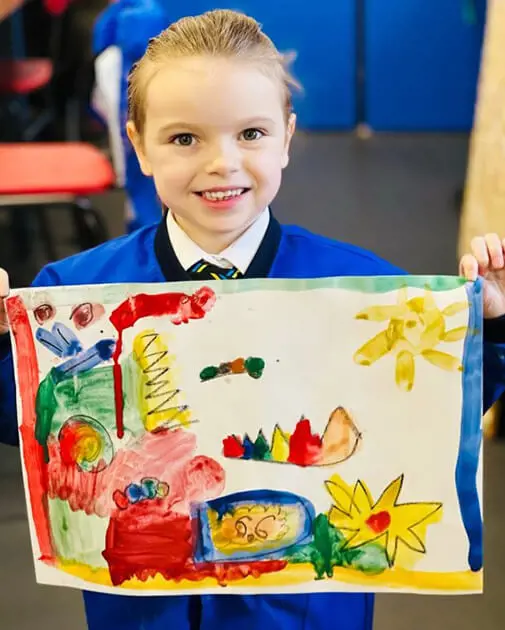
(393, 195)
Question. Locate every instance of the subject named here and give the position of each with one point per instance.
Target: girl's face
(215, 141)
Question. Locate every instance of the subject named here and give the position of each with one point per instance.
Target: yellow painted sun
(415, 328)
(386, 522)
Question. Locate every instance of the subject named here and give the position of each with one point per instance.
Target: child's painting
(253, 436)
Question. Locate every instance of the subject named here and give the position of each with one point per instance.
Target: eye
(264, 527)
(252, 134)
(241, 527)
(183, 139)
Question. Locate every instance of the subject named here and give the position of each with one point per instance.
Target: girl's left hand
(487, 260)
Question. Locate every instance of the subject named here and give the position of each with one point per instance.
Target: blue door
(421, 64)
(323, 34)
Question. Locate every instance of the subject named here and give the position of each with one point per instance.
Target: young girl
(211, 122)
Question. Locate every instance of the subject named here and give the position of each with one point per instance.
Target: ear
(138, 146)
(290, 130)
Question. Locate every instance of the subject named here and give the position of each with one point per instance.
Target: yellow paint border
(299, 574)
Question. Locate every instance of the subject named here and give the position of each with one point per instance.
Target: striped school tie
(204, 270)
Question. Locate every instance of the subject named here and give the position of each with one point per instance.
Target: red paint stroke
(166, 455)
(305, 447)
(28, 382)
(179, 307)
(228, 572)
(232, 447)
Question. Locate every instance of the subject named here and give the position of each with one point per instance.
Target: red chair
(24, 76)
(56, 7)
(38, 175)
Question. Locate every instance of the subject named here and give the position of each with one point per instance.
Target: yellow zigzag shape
(158, 391)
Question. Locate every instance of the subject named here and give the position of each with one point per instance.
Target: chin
(228, 221)
(224, 227)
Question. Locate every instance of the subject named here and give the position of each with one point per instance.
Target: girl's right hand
(4, 292)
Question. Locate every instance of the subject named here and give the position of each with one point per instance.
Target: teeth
(223, 194)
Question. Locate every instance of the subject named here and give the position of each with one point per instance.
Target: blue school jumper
(285, 252)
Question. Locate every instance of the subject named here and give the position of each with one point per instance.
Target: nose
(224, 158)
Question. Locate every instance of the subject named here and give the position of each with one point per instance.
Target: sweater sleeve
(494, 360)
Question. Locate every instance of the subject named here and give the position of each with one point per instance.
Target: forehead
(212, 91)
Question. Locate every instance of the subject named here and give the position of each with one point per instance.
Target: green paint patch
(91, 394)
(77, 536)
(327, 551)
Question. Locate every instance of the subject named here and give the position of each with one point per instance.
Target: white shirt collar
(239, 254)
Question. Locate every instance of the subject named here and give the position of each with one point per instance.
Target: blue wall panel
(421, 64)
(323, 33)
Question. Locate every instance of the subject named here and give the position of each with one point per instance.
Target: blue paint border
(471, 429)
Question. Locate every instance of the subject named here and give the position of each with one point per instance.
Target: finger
(469, 267)
(480, 251)
(495, 250)
(4, 283)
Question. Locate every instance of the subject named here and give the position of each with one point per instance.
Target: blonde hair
(219, 33)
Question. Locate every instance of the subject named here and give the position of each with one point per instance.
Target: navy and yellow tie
(204, 270)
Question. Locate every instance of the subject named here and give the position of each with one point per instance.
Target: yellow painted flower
(416, 326)
(387, 522)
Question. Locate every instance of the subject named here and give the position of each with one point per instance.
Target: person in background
(120, 36)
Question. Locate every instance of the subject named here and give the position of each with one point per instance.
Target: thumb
(4, 283)
(469, 267)
(4, 292)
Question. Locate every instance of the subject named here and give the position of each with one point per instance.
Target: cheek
(267, 169)
(170, 171)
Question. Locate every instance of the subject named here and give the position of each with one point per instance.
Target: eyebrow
(257, 121)
(176, 126)
(189, 127)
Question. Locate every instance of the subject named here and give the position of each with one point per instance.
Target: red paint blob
(232, 447)
(120, 499)
(379, 522)
(305, 447)
(68, 442)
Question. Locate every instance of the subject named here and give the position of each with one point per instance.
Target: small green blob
(254, 366)
(150, 487)
(208, 373)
